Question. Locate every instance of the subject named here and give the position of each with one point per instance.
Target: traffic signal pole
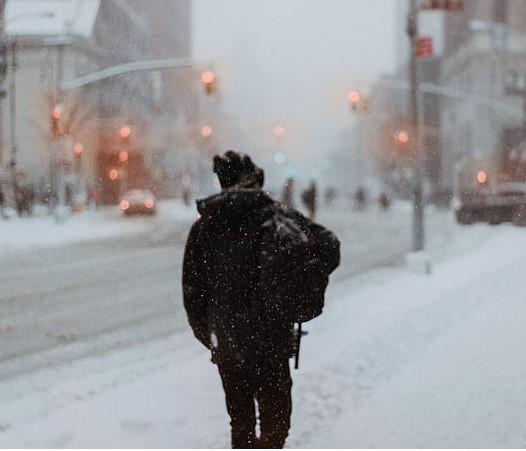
(416, 150)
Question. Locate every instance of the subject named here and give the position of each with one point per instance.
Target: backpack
(296, 258)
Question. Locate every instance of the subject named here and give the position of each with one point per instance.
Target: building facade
(484, 45)
(51, 42)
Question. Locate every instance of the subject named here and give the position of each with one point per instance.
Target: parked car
(138, 201)
(502, 202)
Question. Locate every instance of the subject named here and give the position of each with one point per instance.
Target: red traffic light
(279, 131)
(125, 132)
(56, 126)
(209, 81)
(206, 131)
(123, 156)
(402, 137)
(56, 113)
(113, 174)
(78, 149)
(354, 97)
(482, 177)
(208, 77)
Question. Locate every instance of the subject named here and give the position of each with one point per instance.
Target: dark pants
(269, 385)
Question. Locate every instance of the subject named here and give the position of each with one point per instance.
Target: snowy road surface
(95, 340)
(60, 303)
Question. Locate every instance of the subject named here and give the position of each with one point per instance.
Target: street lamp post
(418, 201)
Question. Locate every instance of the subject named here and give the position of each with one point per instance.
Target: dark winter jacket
(223, 294)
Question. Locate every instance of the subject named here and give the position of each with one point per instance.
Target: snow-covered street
(399, 359)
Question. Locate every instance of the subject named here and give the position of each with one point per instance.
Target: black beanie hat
(234, 168)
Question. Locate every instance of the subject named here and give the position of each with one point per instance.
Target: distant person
(384, 201)
(360, 198)
(30, 199)
(20, 200)
(288, 193)
(68, 195)
(187, 197)
(309, 198)
(2, 204)
(252, 268)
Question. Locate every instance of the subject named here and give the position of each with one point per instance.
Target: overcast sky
(293, 61)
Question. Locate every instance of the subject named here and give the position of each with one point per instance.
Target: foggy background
(293, 63)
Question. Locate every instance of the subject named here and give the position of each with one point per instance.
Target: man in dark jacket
(226, 307)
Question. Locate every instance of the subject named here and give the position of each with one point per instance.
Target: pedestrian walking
(360, 199)
(20, 200)
(384, 201)
(287, 197)
(2, 202)
(309, 198)
(252, 268)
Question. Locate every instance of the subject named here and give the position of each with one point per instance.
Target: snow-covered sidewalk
(44, 231)
(398, 359)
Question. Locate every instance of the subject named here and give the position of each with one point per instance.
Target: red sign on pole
(424, 47)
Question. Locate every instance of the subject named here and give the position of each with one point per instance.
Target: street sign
(442, 5)
(424, 47)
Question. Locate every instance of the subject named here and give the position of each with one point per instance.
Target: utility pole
(418, 201)
(12, 107)
(3, 47)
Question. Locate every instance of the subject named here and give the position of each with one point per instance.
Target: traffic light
(354, 98)
(402, 140)
(125, 132)
(113, 174)
(56, 126)
(482, 177)
(206, 131)
(209, 82)
(357, 102)
(279, 131)
(78, 149)
(402, 137)
(123, 156)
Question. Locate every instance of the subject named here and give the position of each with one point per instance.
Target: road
(64, 303)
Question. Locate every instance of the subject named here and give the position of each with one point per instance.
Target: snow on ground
(44, 230)
(399, 359)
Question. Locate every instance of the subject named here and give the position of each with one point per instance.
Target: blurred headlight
(148, 203)
(124, 204)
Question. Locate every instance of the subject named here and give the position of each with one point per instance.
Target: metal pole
(59, 142)
(418, 204)
(2, 75)
(12, 112)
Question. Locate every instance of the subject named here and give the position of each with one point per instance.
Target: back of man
(226, 306)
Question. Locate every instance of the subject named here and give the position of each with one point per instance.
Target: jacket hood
(236, 204)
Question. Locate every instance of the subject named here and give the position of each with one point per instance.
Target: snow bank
(397, 360)
(108, 222)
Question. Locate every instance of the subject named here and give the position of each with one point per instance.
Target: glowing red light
(353, 96)
(124, 204)
(113, 174)
(403, 137)
(78, 148)
(125, 131)
(206, 131)
(123, 156)
(208, 77)
(148, 203)
(279, 131)
(56, 113)
(482, 177)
